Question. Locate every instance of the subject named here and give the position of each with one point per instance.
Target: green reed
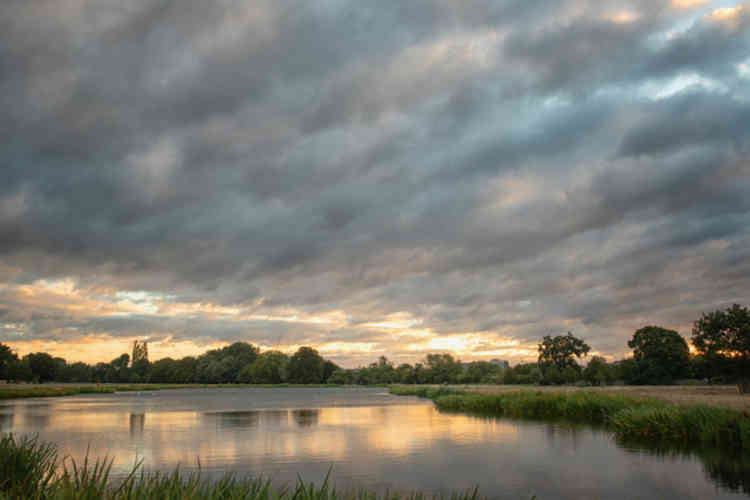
(26, 466)
(29, 469)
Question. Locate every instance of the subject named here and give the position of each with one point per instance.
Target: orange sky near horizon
(401, 337)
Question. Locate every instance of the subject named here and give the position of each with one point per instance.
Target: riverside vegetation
(30, 469)
(629, 419)
(660, 357)
(49, 390)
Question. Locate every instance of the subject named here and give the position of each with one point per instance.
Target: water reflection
(137, 422)
(6, 422)
(732, 472)
(306, 418)
(274, 418)
(37, 415)
(370, 439)
(233, 419)
(728, 469)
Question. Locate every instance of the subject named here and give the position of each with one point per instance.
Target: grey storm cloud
(510, 167)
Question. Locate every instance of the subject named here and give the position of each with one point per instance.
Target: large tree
(43, 366)
(164, 371)
(598, 372)
(224, 365)
(306, 366)
(7, 359)
(662, 355)
(726, 335)
(557, 357)
(269, 368)
(379, 372)
(443, 368)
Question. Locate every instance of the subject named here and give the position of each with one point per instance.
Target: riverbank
(637, 419)
(30, 469)
(18, 391)
(724, 396)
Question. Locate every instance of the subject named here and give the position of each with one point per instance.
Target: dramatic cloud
(395, 179)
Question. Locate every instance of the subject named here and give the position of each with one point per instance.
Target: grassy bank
(31, 470)
(53, 390)
(38, 391)
(628, 418)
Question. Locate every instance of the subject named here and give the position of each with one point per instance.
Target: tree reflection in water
(248, 418)
(37, 415)
(6, 422)
(306, 418)
(137, 422)
(723, 467)
(233, 419)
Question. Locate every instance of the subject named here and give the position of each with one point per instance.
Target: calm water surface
(369, 437)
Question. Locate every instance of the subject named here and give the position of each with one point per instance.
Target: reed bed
(29, 469)
(629, 419)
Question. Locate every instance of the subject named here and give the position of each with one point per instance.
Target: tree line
(660, 356)
(239, 362)
(721, 340)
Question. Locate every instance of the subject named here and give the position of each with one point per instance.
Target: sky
(369, 178)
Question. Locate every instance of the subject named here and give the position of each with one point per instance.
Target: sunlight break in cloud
(686, 4)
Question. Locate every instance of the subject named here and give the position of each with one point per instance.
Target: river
(366, 438)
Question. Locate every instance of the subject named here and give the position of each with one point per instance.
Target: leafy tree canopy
(598, 372)
(442, 368)
(306, 366)
(726, 334)
(269, 368)
(560, 351)
(7, 358)
(662, 348)
(723, 332)
(43, 366)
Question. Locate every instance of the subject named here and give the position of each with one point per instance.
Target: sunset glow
(456, 177)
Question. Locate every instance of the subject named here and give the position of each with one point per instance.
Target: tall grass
(629, 419)
(27, 467)
(30, 470)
